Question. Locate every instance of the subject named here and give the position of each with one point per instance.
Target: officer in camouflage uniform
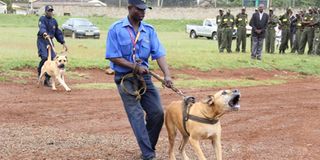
(299, 31)
(220, 28)
(241, 23)
(270, 34)
(316, 40)
(227, 24)
(308, 32)
(284, 22)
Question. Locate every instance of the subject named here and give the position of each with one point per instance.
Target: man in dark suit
(259, 23)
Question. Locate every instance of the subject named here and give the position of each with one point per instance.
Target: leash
(51, 44)
(179, 92)
(137, 92)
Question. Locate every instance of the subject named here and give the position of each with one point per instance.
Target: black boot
(47, 82)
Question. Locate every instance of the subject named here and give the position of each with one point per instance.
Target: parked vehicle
(80, 28)
(208, 29)
(248, 32)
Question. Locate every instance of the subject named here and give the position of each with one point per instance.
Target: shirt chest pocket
(126, 47)
(145, 49)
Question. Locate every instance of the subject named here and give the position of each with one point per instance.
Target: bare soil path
(279, 122)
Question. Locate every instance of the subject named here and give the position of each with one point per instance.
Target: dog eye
(64, 60)
(59, 60)
(224, 93)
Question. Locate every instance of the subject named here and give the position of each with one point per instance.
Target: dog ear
(209, 100)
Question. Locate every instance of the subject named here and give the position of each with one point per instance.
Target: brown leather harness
(187, 104)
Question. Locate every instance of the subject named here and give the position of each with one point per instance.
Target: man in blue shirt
(48, 28)
(130, 43)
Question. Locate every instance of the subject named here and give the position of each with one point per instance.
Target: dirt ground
(279, 122)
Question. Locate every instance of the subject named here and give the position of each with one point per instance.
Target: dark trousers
(43, 59)
(285, 35)
(241, 39)
(307, 36)
(146, 130)
(226, 40)
(270, 40)
(220, 32)
(257, 44)
(296, 42)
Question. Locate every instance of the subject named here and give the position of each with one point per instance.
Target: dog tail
(49, 53)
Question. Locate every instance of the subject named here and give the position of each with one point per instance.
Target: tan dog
(55, 69)
(211, 108)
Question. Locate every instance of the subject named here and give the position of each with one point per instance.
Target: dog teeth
(237, 106)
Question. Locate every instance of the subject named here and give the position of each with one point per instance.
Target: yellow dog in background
(209, 110)
(55, 69)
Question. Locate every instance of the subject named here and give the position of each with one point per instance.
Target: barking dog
(208, 111)
(55, 69)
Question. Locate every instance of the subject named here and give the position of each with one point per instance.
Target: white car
(208, 29)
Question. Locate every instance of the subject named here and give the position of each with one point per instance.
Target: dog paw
(54, 89)
(68, 90)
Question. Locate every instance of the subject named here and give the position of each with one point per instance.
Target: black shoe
(142, 158)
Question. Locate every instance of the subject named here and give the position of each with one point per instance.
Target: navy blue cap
(48, 7)
(139, 4)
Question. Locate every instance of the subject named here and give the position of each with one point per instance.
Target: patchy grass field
(279, 98)
(18, 48)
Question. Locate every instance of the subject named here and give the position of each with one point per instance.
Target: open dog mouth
(234, 102)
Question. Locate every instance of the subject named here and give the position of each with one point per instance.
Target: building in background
(3, 8)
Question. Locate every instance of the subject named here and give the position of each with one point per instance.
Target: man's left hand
(65, 47)
(168, 82)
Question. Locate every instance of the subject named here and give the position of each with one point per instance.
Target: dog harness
(187, 104)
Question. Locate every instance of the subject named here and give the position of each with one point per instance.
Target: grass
(18, 48)
(193, 84)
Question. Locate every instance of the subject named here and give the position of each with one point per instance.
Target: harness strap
(187, 104)
(203, 120)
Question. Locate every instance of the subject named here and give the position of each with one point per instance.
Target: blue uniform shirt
(50, 26)
(120, 44)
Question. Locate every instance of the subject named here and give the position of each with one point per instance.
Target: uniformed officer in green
(299, 31)
(284, 22)
(271, 32)
(241, 23)
(220, 29)
(316, 40)
(308, 32)
(227, 24)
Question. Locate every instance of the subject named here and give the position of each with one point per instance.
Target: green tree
(9, 5)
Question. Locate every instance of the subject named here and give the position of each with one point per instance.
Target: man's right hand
(45, 35)
(141, 70)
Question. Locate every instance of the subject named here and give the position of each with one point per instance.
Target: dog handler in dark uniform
(130, 42)
(48, 28)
